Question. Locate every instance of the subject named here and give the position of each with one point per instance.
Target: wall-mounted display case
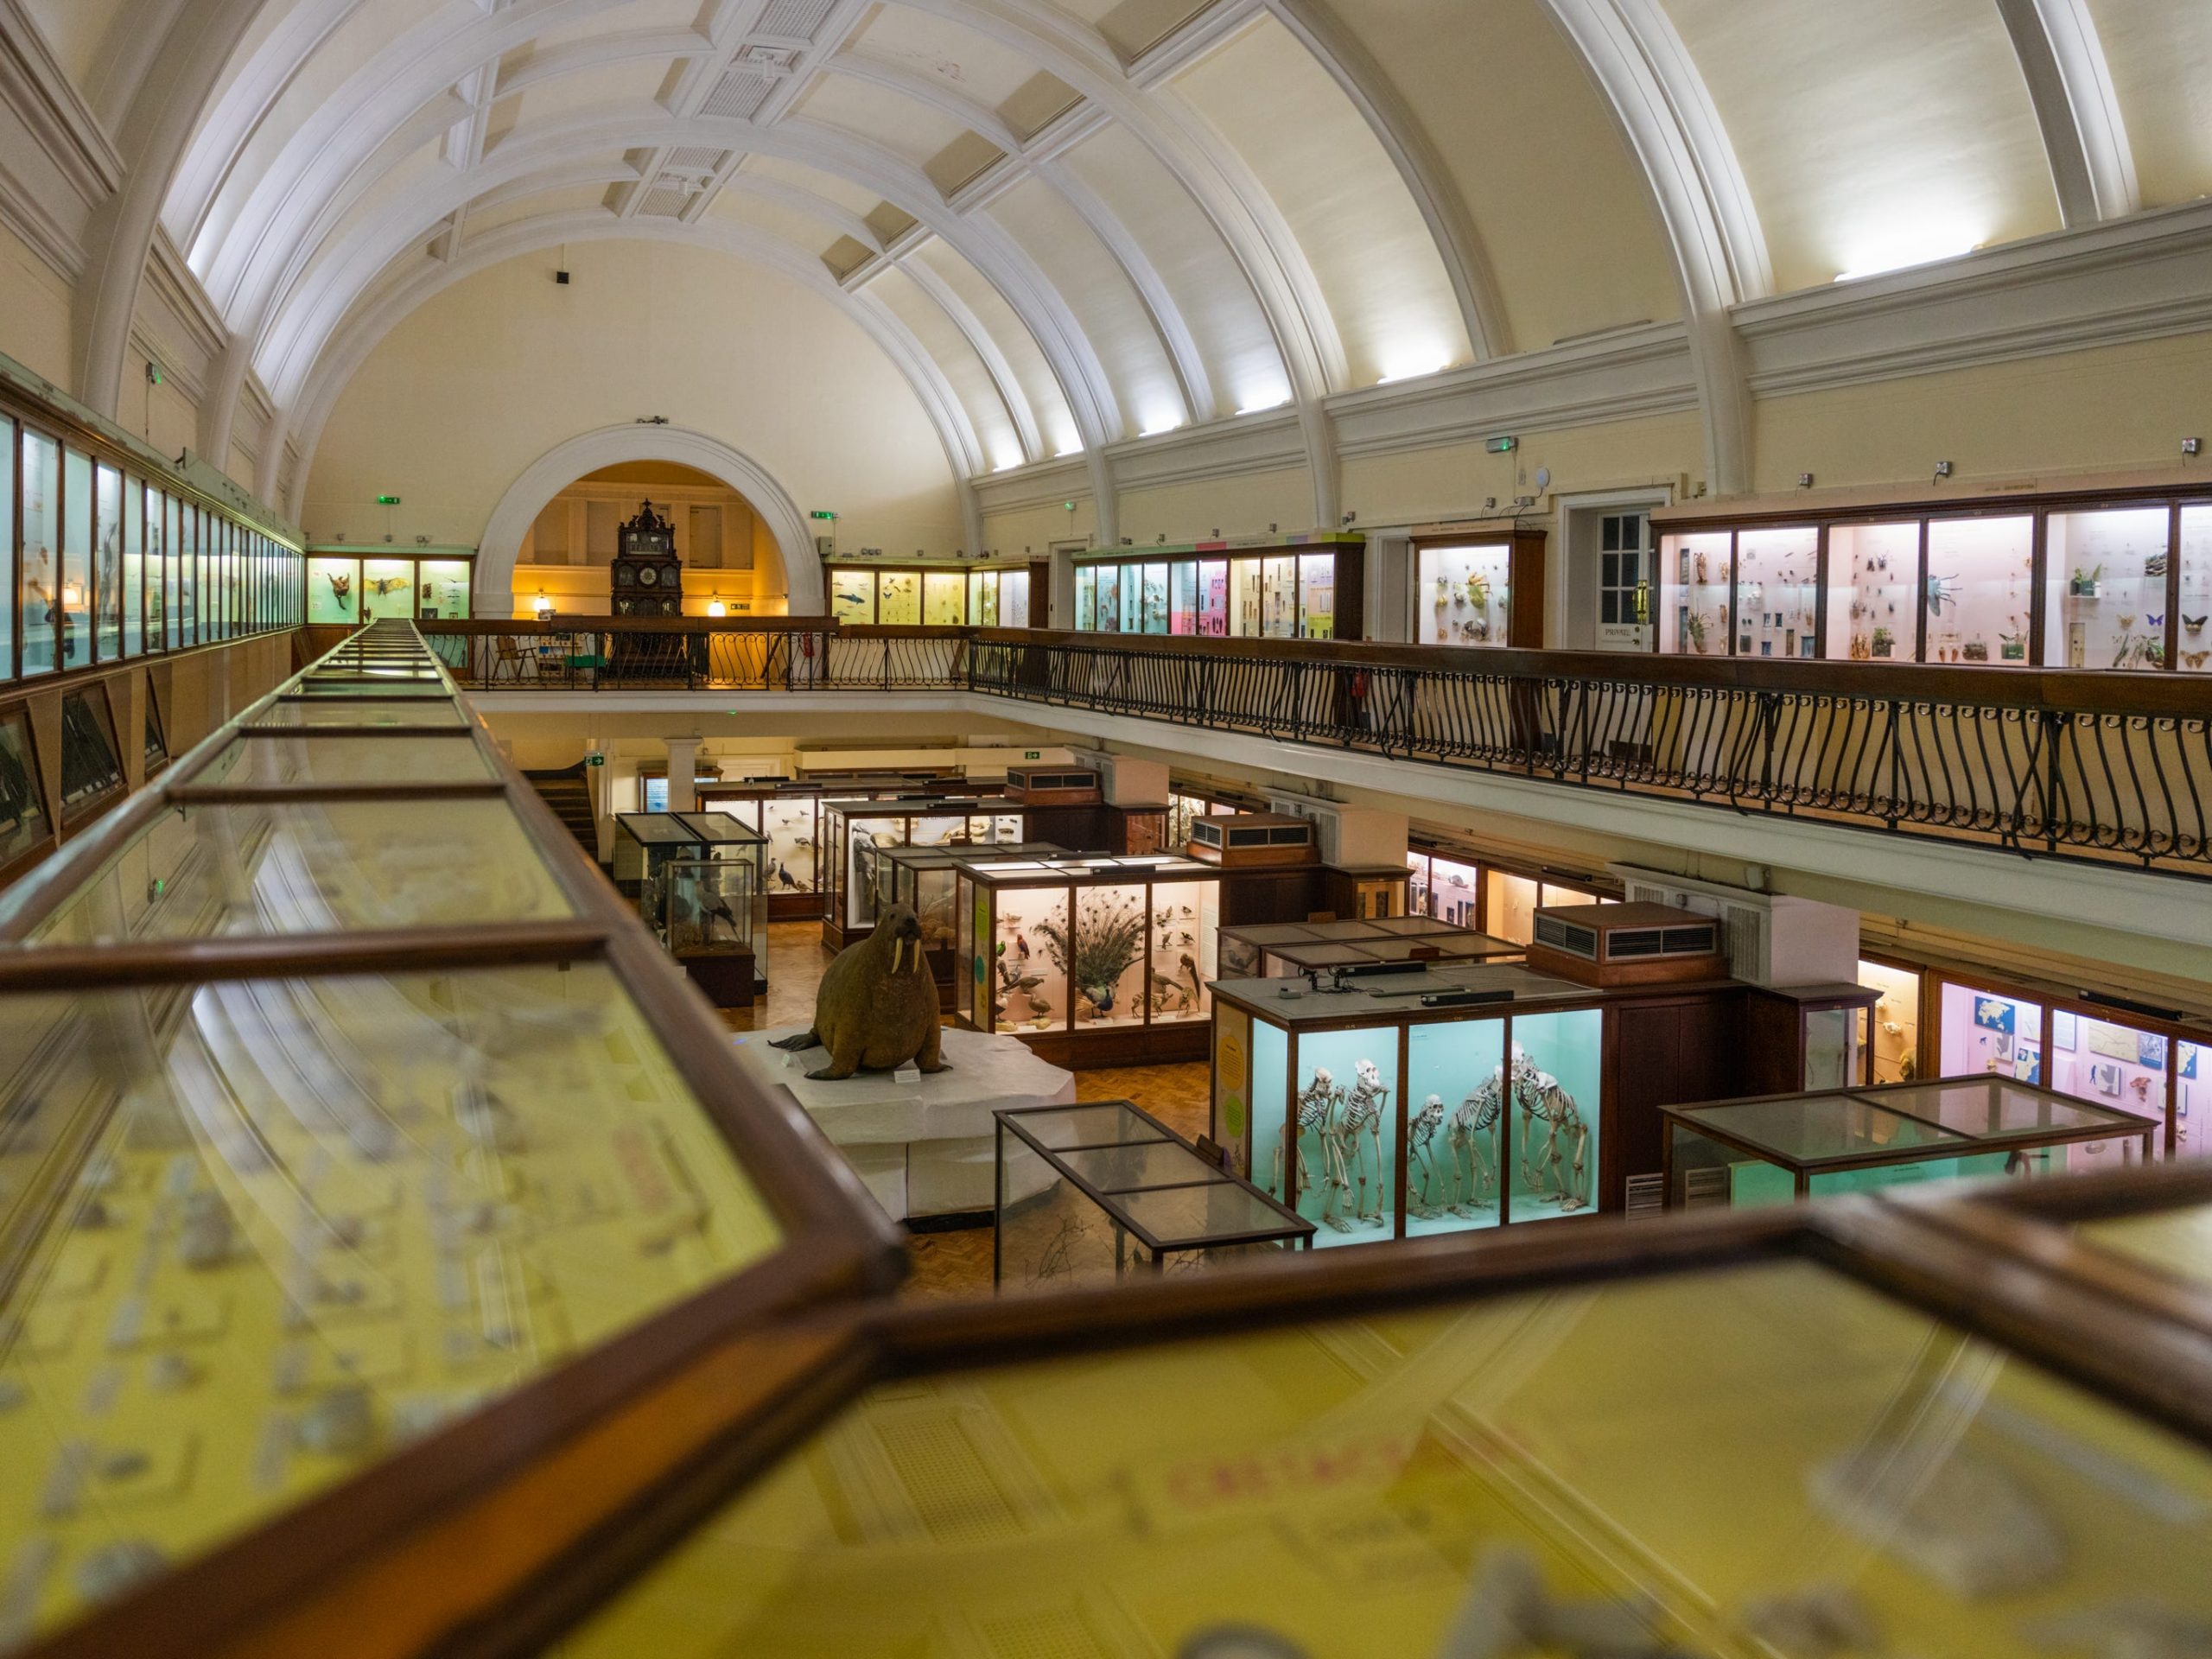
(1469, 891)
(1747, 1154)
(1091, 1194)
(1280, 950)
(999, 595)
(2067, 582)
(1091, 962)
(1479, 585)
(347, 586)
(1268, 588)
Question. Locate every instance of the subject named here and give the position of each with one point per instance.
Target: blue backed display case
(1409, 1102)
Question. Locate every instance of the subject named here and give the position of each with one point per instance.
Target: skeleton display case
(1091, 961)
(1745, 1153)
(1278, 949)
(1383, 1105)
(1093, 1192)
(856, 834)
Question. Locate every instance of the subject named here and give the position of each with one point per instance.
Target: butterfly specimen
(2196, 659)
(2195, 623)
(2154, 621)
(2127, 622)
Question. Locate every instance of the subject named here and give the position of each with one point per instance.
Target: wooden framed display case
(1369, 894)
(1266, 588)
(1099, 1190)
(1092, 962)
(1824, 1027)
(1479, 585)
(422, 1159)
(2082, 580)
(1470, 889)
(1254, 840)
(644, 843)
(1378, 1104)
(348, 586)
(1747, 1154)
(856, 833)
(787, 812)
(716, 921)
(1280, 950)
(922, 879)
(1004, 594)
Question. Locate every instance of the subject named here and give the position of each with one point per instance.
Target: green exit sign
(1503, 446)
(387, 500)
(822, 515)
(1032, 754)
(595, 759)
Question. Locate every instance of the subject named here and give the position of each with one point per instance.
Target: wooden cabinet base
(727, 978)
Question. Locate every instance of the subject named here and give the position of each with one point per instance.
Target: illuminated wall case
(1479, 585)
(1266, 588)
(1000, 594)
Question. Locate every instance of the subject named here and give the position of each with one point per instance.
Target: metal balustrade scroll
(2107, 768)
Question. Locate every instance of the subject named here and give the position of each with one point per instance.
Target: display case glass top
(1668, 1469)
(360, 711)
(719, 829)
(277, 867)
(2177, 1242)
(320, 1217)
(1295, 1005)
(265, 759)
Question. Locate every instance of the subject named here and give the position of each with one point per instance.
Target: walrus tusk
(898, 946)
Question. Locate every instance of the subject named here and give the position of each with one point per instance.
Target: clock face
(649, 577)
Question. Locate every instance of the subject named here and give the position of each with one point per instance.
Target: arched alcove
(798, 580)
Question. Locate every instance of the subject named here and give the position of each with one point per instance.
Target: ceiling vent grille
(740, 96)
(696, 161)
(794, 19)
(664, 203)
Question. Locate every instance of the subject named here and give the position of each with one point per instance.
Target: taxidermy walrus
(877, 1007)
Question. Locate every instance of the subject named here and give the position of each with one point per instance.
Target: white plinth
(926, 1147)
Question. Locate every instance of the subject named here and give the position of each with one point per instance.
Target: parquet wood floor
(958, 1264)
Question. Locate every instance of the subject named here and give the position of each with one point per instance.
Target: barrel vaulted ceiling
(1079, 223)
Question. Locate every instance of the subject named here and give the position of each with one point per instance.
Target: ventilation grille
(1689, 942)
(1627, 943)
(1705, 1189)
(696, 161)
(1647, 1197)
(793, 19)
(1055, 1633)
(662, 203)
(1567, 938)
(740, 96)
(946, 1480)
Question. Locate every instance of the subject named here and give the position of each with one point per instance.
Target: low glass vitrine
(1091, 961)
(644, 842)
(1095, 1192)
(1743, 1153)
(1388, 1107)
(715, 923)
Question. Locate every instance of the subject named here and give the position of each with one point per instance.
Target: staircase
(569, 794)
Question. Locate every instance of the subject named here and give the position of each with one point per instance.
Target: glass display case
(352, 1196)
(1481, 586)
(1280, 950)
(347, 586)
(716, 926)
(1092, 961)
(1780, 1148)
(2105, 588)
(936, 595)
(1093, 1192)
(1778, 592)
(998, 597)
(1307, 587)
(1451, 1099)
(857, 833)
(645, 844)
(1893, 1023)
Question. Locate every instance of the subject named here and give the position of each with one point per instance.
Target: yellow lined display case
(359, 1146)
(1887, 1431)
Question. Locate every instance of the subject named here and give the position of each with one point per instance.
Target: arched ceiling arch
(1080, 222)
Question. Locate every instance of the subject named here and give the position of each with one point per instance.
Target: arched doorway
(753, 554)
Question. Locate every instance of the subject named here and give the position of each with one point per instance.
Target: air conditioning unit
(1350, 837)
(1627, 945)
(1773, 940)
(825, 547)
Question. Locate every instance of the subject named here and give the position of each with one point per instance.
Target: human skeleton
(1362, 1117)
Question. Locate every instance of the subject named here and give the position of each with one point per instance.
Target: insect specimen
(2195, 623)
(1942, 591)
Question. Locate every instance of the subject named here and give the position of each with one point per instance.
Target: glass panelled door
(1624, 590)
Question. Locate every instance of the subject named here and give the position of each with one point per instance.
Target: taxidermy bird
(1163, 988)
(719, 911)
(1190, 973)
(1021, 947)
(1040, 1006)
(784, 878)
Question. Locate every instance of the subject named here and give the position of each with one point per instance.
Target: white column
(683, 774)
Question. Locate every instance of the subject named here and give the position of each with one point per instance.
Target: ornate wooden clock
(648, 577)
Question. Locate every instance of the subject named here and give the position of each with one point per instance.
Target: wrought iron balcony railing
(2107, 766)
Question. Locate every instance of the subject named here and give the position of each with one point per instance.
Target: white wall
(470, 390)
